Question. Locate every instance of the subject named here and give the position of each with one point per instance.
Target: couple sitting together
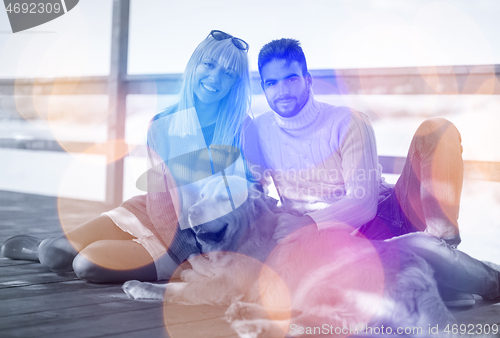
(321, 158)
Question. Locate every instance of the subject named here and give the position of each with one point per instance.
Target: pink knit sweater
(324, 163)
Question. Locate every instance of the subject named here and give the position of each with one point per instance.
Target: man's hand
(288, 225)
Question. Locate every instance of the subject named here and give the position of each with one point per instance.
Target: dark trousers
(426, 198)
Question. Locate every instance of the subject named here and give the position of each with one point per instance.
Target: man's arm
(361, 174)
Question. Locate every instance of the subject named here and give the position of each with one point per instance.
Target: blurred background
(399, 61)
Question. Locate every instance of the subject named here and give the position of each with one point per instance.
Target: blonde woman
(148, 236)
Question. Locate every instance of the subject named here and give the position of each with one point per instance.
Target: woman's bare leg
(115, 261)
(101, 252)
(58, 253)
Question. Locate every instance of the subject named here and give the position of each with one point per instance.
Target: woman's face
(212, 82)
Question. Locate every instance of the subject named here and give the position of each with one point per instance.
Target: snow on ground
(395, 119)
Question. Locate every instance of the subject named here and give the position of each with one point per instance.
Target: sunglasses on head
(220, 35)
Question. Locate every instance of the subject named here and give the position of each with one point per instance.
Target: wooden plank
(47, 303)
(120, 321)
(195, 321)
(4, 261)
(23, 269)
(62, 300)
(33, 279)
(91, 326)
(53, 317)
(51, 289)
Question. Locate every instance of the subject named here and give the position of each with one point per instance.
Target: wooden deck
(35, 302)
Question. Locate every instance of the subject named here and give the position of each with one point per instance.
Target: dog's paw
(241, 310)
(142, 290)
(190, 276)
(202, 266)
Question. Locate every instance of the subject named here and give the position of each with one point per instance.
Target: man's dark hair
(282, 49)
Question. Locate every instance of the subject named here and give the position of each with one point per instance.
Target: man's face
(285, 87)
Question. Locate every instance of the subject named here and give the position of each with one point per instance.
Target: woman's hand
(288, 225)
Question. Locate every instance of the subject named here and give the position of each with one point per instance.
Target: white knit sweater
(324, 163)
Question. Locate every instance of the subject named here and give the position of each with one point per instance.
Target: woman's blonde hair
(232, 108)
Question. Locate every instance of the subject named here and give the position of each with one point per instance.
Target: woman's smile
(215, 81)
(209, 87)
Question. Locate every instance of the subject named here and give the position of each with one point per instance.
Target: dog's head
(231, 230)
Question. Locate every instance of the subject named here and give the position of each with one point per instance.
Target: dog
(327, 280)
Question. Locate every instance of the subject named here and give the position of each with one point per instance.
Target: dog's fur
(327, 277)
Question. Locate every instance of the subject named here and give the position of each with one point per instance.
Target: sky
(335, 34)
